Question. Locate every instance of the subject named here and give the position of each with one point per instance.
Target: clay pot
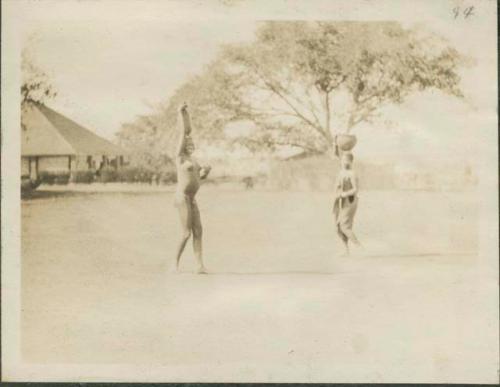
(346, 141)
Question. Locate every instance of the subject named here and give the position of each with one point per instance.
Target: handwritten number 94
(466, 12)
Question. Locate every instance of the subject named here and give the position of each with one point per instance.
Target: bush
(85, 177)
(27, 184)
(248, 181)
(146, 175)
(134, 175)
(51, 178)
(168, 176)
(127, 174)
(62, 179)
(108, 175)
(46, 178)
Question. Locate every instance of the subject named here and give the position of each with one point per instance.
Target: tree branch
(273, 141)
(312, 107)
(272, 88)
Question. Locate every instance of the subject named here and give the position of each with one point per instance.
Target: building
(433, 175)
(52, 143)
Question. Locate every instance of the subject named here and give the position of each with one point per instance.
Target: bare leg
(347, 231)
(345, 241)
(185, 212)
(347, 228)
(350, 235)
(197, 237)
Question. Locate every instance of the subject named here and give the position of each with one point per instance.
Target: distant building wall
(55, 164)
(241, 167)
(320, 172)
(447, 178)
(33, 166)
(84, 163)
(25, 166)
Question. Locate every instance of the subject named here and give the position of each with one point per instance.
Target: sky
(113, 60)
(108, 72)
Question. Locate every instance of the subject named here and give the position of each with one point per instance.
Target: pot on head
(346, 141)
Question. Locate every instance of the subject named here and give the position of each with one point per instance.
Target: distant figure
(248, 181)
(189, 174)
(99, 170)
(346, 200)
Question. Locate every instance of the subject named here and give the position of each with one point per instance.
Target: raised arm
(336, 150)
(185, 130)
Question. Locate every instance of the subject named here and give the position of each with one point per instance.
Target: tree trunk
(327, 120)
(327, 108)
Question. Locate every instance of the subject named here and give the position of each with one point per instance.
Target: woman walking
(346, 200)
(189, 174)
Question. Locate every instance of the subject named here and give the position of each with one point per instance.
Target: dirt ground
(278, 302)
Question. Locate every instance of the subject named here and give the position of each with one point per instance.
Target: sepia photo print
(250, 191)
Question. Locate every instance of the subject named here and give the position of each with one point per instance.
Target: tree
(36, 86)
(287, 80)
(143, 138)
(153, 137)
(300, 83)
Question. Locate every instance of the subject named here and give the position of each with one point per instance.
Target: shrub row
(53, 178)
(110, 175)
(86, 177)
(138, 175)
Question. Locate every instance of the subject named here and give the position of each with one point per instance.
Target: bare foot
(360, 251)
(345, 254)
(201, 270)
(174, 269)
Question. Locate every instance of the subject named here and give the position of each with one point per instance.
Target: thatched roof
(46, 132)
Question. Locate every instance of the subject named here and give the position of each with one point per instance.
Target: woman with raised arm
(189, 174)
(346, 199)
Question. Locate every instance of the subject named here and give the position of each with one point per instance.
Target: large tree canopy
(300, 83)
(36, 85)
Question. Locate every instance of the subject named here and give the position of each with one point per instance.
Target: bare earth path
(277, 300)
